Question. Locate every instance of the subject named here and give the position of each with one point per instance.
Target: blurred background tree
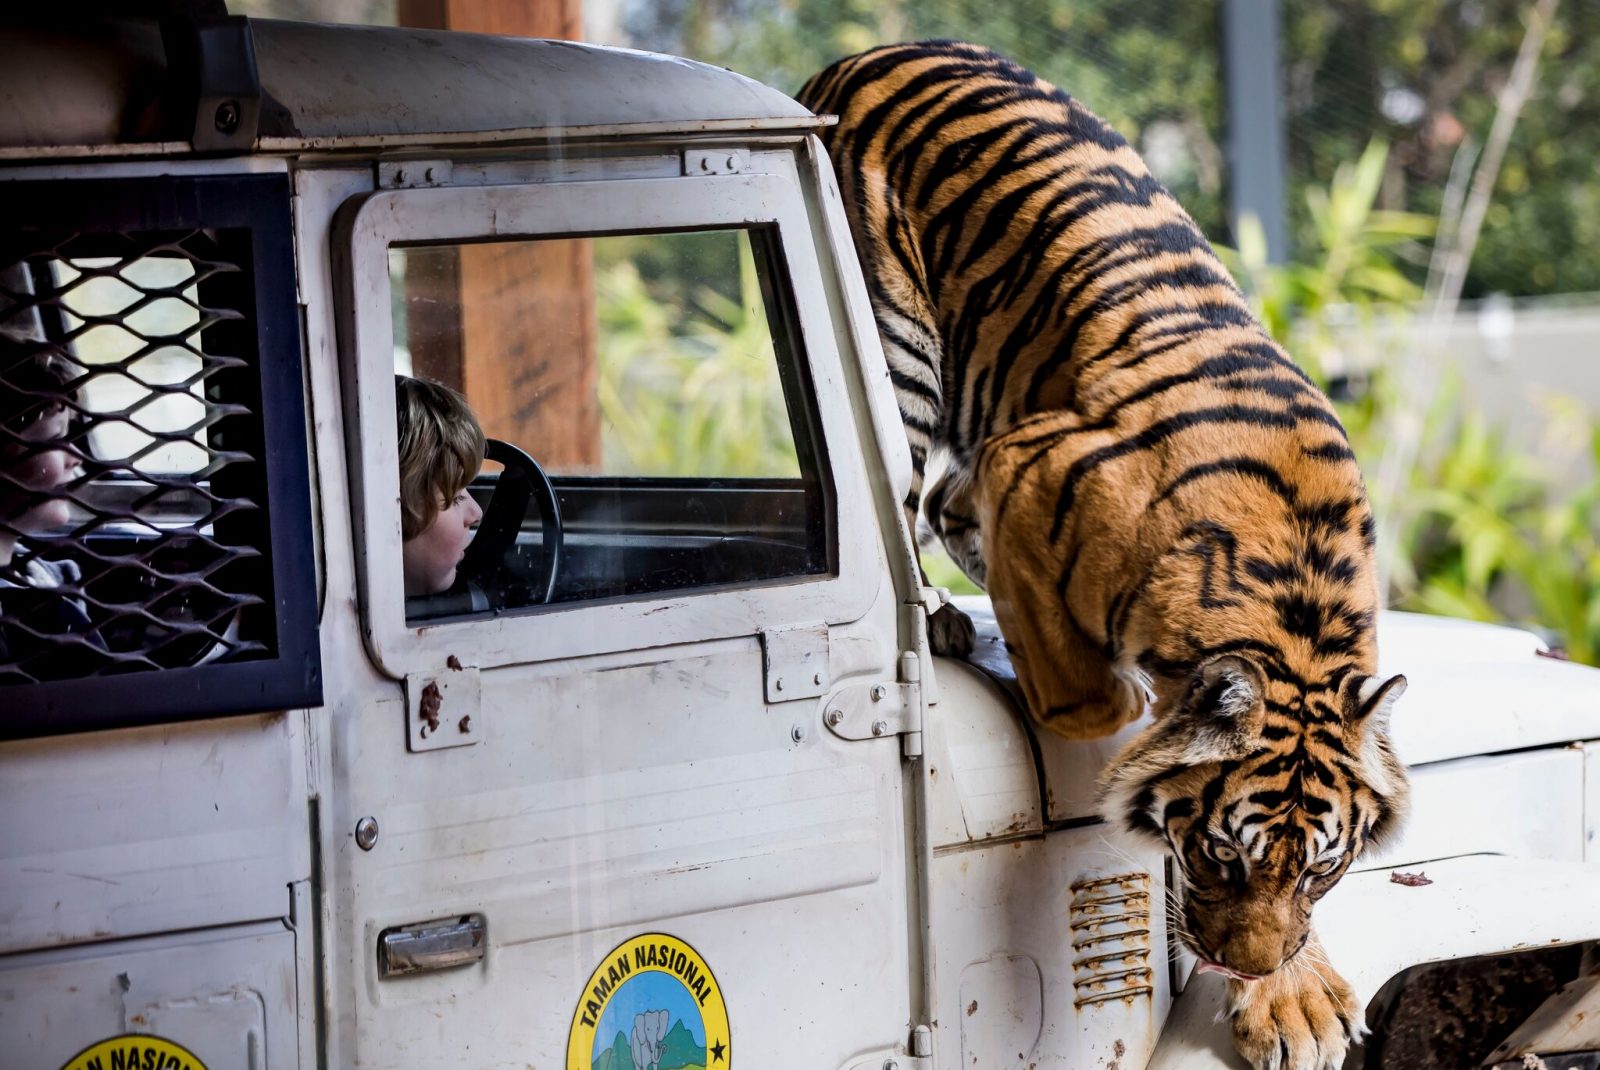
(1420, 74)
(1152, 71)
(1423, 76)
(1386, 107)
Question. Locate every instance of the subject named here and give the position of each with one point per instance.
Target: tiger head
(1265, 791)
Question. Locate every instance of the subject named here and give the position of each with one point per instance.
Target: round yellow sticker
(652, 1002)
(135, 1051)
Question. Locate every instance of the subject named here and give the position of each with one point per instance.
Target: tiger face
(1265, 790)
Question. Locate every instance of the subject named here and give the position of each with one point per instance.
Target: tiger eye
(1223, 852)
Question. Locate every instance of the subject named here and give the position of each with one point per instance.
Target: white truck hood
(1481, 689)
(1498, 823)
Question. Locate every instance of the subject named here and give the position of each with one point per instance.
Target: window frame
(292, 678)
(366, 228)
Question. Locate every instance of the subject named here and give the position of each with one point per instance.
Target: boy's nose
(474, 512)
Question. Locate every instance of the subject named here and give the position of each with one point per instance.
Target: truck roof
(110, 90)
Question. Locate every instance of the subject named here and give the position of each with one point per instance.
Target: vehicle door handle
(432, 945)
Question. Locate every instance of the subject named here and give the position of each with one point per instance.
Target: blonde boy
(441, 450)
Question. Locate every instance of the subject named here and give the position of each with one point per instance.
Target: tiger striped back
(1163, 507)
(1015, 244)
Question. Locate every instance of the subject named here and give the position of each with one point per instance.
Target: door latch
(432, 945)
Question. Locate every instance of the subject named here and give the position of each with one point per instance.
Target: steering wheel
(486, 556)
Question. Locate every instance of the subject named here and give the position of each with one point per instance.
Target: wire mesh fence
(129, 454)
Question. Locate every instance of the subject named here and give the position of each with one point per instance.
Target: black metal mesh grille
(131, 458)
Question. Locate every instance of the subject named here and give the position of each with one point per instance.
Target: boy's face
(42, 471)
(430, 558)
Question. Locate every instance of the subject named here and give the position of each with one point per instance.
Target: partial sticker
(653, 1004)
(135, 1051)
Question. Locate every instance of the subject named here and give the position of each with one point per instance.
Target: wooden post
(524, 351)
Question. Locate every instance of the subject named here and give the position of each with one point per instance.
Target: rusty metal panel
(1111, 938)
(1083, 908)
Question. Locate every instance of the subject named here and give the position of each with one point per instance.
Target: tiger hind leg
(951, 633)
(952, 510)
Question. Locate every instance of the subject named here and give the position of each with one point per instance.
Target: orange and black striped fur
(1162, 506)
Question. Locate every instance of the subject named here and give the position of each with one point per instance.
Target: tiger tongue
(1207, 966)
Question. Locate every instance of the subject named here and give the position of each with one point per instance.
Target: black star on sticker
(716, 1052)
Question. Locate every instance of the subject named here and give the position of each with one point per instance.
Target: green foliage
(944, 572)
(1423, 75)
(1352, 271)
(1487, 532)
(1492, 529)
(1152, 71)
(688, 380)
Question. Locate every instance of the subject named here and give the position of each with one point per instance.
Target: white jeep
(671, 779)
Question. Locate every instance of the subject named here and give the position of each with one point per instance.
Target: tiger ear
(1222, 708)
(1367, 735)
(1375, 700)
(1215, 719)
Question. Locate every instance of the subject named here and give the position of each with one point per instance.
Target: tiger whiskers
(1306, 960)
(1121, 853)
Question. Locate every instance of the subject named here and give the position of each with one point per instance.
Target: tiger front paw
(951, 633)
(1303, 1016)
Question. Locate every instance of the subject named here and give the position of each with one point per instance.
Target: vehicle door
(588, 812)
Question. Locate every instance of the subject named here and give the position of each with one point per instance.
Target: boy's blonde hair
(441, 449)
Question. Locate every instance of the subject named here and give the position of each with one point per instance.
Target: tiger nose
(1252, 952)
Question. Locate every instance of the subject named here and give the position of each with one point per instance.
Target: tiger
(1164, 509)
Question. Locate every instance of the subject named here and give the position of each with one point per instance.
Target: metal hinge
(715, 161)
(413, 174)
(444, 709)
(794, 662)
(870, 711)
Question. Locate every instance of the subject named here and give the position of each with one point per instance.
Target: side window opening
(656, 380)
(147, 385)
